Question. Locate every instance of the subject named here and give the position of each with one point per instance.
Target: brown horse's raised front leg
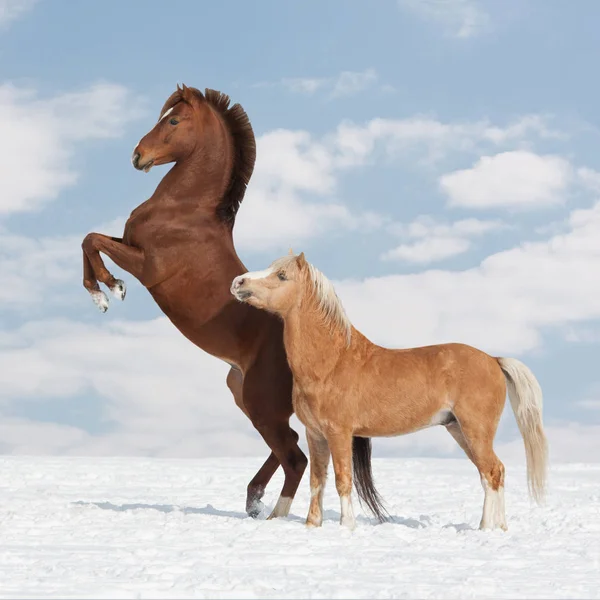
(127, 257)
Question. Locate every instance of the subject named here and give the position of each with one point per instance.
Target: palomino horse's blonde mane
(328, 301)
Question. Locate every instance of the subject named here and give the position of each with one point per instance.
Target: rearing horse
(179, 245)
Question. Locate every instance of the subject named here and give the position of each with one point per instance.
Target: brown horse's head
(203, 125)
(176, 134)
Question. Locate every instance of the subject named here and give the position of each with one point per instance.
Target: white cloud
(304, 85)
(38, 271)
(160, 394)
(41, 136)
(429, 250)
(347, 83)
(503, 306)
(275, 211)
(437, 241)
(460, 18)
(567, 442)
(518, 179)
(292, 164)
(10, 10)
(589, 178)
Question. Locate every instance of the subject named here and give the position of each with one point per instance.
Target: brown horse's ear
(190, 95)
(291, 252)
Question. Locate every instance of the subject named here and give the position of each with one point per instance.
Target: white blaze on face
(257, 274)
(167, 113)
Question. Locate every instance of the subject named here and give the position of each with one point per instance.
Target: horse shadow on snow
(423, 522)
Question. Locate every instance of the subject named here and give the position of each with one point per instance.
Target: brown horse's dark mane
(244, 144)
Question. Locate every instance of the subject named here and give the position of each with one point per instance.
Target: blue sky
(435, 158)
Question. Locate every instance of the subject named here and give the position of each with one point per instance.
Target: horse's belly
(392, 419)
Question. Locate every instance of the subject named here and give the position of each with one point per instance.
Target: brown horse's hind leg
(477, 431)
(127, 257)
(90, 283)
(256, 488)
(267, 400)
(283, 441)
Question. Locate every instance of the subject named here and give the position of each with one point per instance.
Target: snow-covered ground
(146, 528)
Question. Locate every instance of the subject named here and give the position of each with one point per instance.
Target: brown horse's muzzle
(139, 163)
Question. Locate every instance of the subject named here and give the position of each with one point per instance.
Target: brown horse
(179, 245)
(344, 386)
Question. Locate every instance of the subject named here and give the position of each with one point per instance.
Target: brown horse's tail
(363, 478)
(525, 395)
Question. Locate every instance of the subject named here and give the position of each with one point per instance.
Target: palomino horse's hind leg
(477, 439)
(456, 432)
(318, 454)
(340, 445)
(256, 488)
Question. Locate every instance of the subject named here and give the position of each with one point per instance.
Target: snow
(150, 528)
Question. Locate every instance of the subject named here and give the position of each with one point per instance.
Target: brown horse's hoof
(254, 508)
(119, 289)
(100, 300)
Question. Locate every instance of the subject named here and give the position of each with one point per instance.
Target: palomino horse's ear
(300, 259)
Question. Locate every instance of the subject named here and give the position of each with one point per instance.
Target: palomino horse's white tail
(525, 395)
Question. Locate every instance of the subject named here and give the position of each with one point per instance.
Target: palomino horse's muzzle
(237, 288)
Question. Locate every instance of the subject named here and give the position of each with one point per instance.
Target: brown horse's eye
(281, 276)
(173, 121)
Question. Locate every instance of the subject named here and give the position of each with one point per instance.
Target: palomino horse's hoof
(119, 289)
(100, 300)
(312, 524)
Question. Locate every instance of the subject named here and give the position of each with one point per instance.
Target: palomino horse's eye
(173, 121)
(281, 276)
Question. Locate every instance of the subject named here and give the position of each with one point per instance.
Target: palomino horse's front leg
(127, 257)
(318, 451)
(340, 444)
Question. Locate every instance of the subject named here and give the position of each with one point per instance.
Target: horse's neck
(191, 192)
(190, 181)
(313, 348)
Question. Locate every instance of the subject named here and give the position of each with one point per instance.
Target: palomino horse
(179, 245)
(344, 386)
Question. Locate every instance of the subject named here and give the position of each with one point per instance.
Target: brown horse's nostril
(135, 160)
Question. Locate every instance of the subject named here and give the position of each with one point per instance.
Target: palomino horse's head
(293, 283)
(276, 289)
(176, 134)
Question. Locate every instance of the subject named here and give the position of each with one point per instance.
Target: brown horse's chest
(140, 228)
